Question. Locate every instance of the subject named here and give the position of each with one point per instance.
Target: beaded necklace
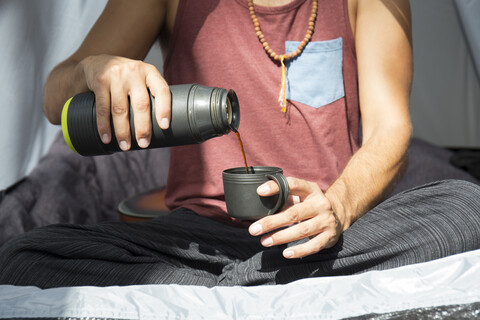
(282, 99)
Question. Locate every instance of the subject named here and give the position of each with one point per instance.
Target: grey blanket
(68, 188)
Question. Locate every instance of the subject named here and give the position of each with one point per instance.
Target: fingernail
(263, 189)
(255, 229)
(123, 145)
(267, 242)
(288, 254)
(143, 143)
(105, 138)
(164, 123)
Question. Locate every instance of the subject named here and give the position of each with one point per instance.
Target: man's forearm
(370, 174)
(64, 81)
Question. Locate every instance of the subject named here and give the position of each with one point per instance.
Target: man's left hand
(307, 214)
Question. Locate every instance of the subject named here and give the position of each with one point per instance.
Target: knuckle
(331, 220)
(293, 215)
(304, 230)
(325, 203)
(113, 69)
(119, 109)
(100, 81)
(134, 65)
(103, 112)
(150, 68)
(330, 243)
(142, 104)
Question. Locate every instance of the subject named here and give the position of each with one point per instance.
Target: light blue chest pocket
(315, 77)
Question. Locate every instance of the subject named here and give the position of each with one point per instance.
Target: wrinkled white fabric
(448, 281)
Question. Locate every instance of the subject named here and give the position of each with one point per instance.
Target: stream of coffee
(243, 150)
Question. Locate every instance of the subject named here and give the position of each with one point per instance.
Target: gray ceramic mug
(241, 197)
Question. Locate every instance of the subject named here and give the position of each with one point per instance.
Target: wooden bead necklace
(282, 99)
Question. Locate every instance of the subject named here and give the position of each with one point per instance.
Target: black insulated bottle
(198, 114)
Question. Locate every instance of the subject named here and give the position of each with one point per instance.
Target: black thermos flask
(198, 114)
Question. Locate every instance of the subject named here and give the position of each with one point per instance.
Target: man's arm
(383, 44)
(107, 62)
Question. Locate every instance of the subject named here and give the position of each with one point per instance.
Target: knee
(458, 202)
(462, 193)
(22, 256)
(449, 191)
(13, 260)
(449, 204)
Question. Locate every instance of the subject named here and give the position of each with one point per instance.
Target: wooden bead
(261, 37)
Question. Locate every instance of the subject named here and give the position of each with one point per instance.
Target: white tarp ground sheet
(449, 281)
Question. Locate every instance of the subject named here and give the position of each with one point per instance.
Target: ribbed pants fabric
(418, 225)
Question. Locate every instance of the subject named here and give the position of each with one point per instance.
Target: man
(348, 58)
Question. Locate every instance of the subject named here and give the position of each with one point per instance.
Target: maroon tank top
(214, 44)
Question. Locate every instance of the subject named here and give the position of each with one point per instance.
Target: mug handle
(284, 190)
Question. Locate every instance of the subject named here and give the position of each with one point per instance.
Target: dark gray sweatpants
(418, 225)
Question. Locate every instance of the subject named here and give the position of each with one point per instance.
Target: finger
(292, 215)
(301, 187)
(102, 103)
(268, 189)
(295, 232)
(314, 245)
(140, 101)
(162, 97)
(120, 118)
(296, 186)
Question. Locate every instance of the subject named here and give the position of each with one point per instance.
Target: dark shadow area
(402, 15)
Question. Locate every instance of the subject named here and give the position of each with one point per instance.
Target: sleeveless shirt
(214, 44)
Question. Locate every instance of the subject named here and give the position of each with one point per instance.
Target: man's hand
(108, 62)
(114, 80)
(309, 214)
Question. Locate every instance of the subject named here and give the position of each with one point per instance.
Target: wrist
(339, 210)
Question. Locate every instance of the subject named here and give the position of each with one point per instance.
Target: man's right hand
(115, 80)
